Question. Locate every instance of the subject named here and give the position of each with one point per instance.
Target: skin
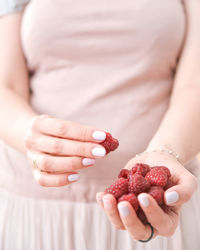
(179, 131)
(28, 132)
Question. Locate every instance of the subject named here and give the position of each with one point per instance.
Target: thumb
(182, 192)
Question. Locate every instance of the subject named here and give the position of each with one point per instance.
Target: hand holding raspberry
(166, 189)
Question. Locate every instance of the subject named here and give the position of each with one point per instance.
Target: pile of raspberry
(141, 179)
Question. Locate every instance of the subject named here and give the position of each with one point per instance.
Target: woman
(96, 67)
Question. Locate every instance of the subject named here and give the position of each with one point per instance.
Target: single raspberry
(142, 169)
(169, 184)
(141, 215)
(157, 193)
(157, 177)
(123, 173)
(138, 184)
(132, 171)
(132, 198)
(167, 171)
(110, 143)
(118, 188)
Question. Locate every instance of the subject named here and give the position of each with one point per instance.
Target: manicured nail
(143, 199)
(106, 202)
(73, 177)
(123, 210)
(88, 161)
(171, 197)
(98, 151)
(99, 135)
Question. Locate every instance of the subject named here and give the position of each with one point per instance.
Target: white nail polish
(99, 135)
(98, 151)
(143, 199)
(88, 161)
(123, 210)
(73, 177)
(171, 197)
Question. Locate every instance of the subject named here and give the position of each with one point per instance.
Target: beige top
(108, 64)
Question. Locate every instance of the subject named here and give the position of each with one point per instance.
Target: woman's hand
(123, 216)
(56, 149)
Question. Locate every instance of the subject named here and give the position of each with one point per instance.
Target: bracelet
(160, 150)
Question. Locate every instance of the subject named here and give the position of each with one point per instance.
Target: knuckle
(57, 147)
(45, 164)
(86, 133)
(34, 123)
(28, 140)
(62, 129)
(83, 149)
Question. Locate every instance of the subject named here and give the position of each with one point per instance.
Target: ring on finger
(151, 236)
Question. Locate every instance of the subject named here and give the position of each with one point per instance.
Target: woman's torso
(108, 64)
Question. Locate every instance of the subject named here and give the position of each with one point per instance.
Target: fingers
(183, 191)
(54, 180)
(110, 208)
(58, 164)
(160, 220)
(64, 147)
(132, 223)
(66, 129)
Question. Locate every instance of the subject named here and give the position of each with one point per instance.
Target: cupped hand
(57, 148)
(164, 222)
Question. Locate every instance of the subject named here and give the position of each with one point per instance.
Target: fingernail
(73, 177)
(123, 210)
(106, 202)
(143, 199)
(99, 135)
(98, 151)
(171, 197)
(88, 161)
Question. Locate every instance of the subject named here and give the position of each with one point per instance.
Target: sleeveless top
(108, 64)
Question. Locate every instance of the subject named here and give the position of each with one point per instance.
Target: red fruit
(138, 184)
(123, 173)
(169, 184)
(142, 169)
(118, 188)
(132, 171)
(157, 193)
(157, 177)
(132, 198)
(110, 143)
(142, 216)
(165, 169)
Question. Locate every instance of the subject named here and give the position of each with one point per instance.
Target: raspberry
(132, 198)
(141, 215)
(165, 169)
(142, 169)
(118, 188)
(110, 143)
(123, 173)
(138, 184)
(169, 184)
(157, 177)
(132, 171)
(157, 193)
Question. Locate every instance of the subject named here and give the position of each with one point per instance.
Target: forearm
(180, 128)
(15, 117)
